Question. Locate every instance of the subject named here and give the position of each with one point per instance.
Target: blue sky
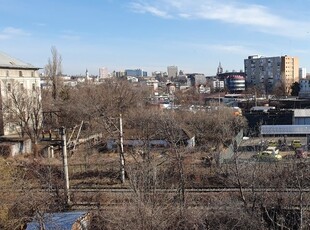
(153, 34)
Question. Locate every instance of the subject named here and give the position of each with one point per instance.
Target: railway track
(169, 190)
(191, 190)
(113, 198)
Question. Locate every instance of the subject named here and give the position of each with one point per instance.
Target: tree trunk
(35, 148)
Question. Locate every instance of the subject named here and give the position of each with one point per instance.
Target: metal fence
(229, 153)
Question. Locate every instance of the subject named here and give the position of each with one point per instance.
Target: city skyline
(152, 35)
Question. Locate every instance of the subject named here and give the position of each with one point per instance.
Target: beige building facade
(289, 71)
(15, 75)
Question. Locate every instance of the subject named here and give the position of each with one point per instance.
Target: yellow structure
(289, 71)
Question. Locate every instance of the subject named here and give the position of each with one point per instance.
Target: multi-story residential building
(172, 71)
(118, 74)
(217, 85)
(270, 72)
(290, 71)
(196, 79)
(15, 76)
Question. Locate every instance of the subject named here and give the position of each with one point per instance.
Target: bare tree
(23, 111)
(214, 129)
(104, 107)
(21, 198)
(280, 90)
(53, 71)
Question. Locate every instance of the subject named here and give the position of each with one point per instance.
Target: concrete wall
(15, 147)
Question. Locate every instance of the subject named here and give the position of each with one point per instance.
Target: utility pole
(65, 164)
(121, 154)
(255, 97)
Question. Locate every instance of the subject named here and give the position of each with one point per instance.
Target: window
(33, 86)
(20, 73)
(21, 86)
(32, 74)
(9, 87)
(7, 73)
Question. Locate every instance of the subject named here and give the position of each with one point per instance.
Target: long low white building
(285, 129)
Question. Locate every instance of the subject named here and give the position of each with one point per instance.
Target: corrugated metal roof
(285, 129)
(301, 112)
(63, 221)
(7, 61)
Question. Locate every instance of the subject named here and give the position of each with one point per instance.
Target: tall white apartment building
(269, 72)
(302, 73)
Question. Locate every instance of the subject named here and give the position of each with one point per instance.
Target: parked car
(272, 143)
(270, 154)
(296, 144)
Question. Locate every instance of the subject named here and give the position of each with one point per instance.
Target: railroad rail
(168, 190)
(192, 190)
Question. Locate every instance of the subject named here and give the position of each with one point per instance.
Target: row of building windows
(20, 73)
(9, 87)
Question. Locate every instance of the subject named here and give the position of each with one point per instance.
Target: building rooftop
(301, 112)
(285, 129)
(62, 221)
(7, 61)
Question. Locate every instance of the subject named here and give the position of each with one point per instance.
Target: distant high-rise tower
(103, 72)
(172, 71)
(219, 69)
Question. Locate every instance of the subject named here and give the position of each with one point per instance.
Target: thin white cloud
(4, 36)
(147, 8)
(15, 31)
(229, 48)
(183, 15)
(223, 48)
(301, 51)
(70, 35)
(257, 17)
(10, 32)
